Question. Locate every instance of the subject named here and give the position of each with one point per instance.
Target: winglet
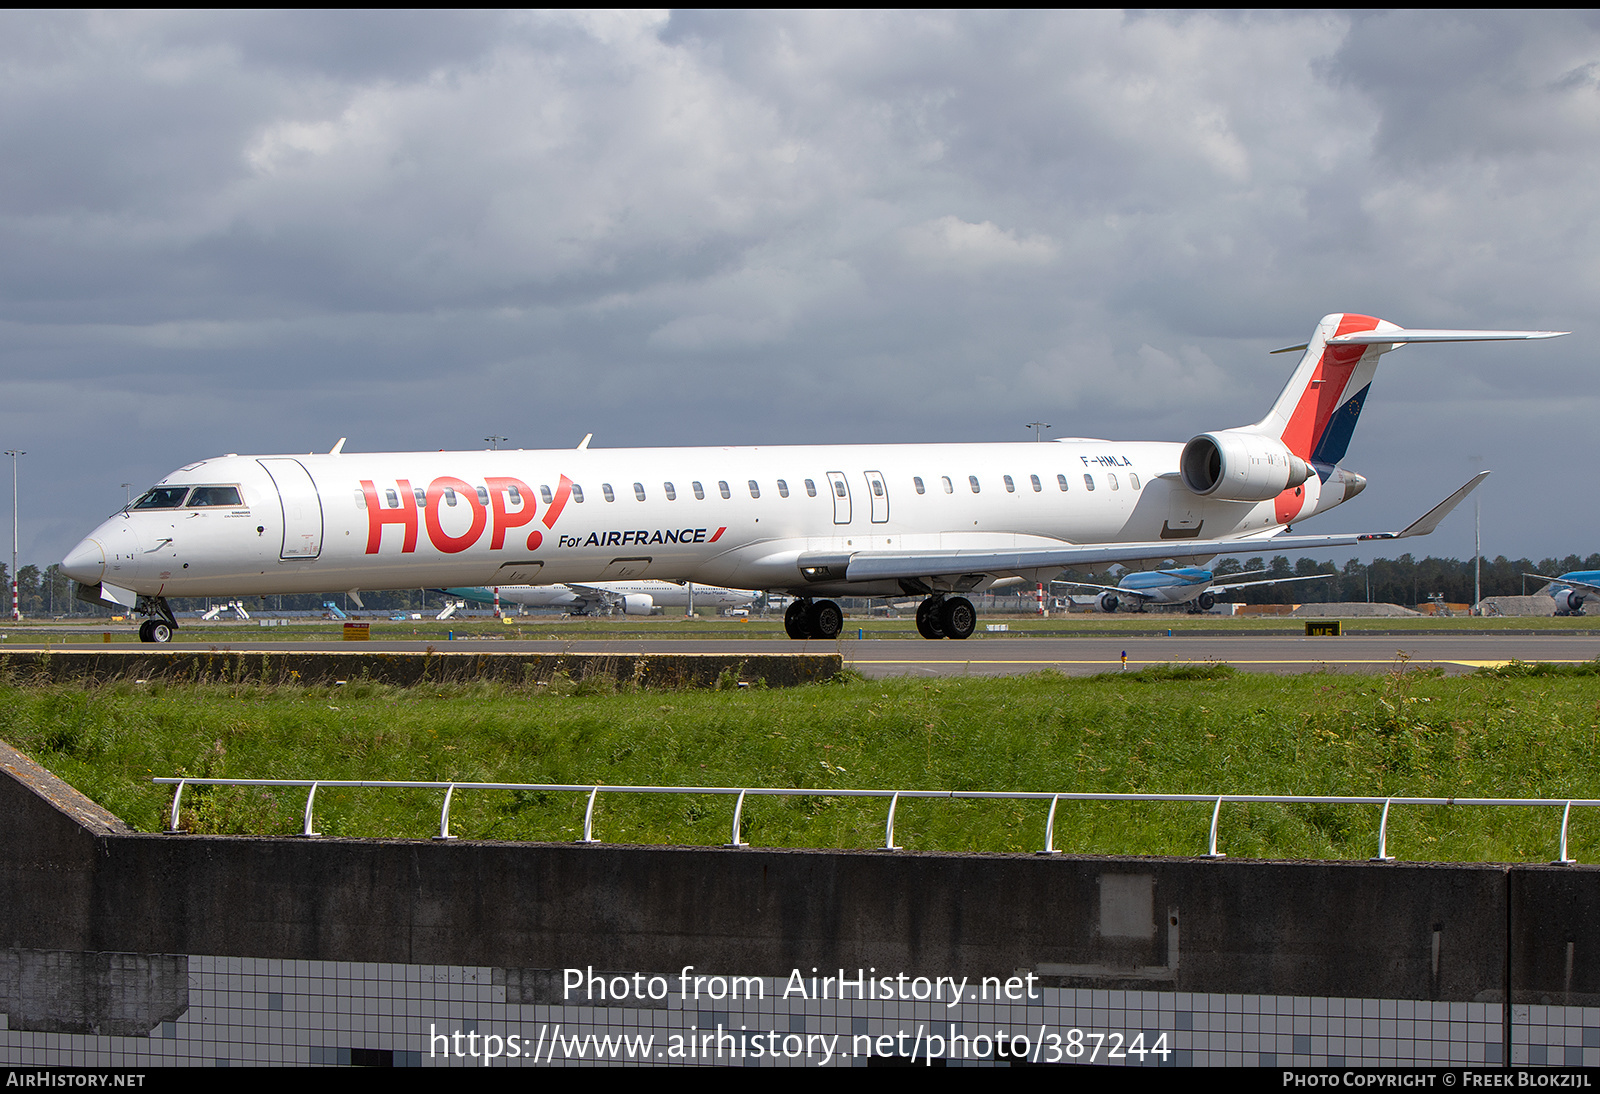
(1430, 520)
(583, 444)
(338, 448)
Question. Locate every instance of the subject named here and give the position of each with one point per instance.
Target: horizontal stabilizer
(1390, 337)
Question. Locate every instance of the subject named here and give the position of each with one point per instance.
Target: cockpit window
(216, 495)
(162, 497)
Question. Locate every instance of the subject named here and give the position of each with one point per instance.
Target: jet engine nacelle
(1569, 602)
(638, 604)
(1107, 602)
(1230, 465)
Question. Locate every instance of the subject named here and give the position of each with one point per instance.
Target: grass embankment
(1199, 730)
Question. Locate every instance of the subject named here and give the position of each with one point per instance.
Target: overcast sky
(263, 232)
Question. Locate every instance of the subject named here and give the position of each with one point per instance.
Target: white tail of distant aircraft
(815, 522)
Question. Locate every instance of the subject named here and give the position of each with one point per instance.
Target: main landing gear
(946, 617)
(813, 619)
(937, 617)
(161, 625)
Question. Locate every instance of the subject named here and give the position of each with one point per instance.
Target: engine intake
(1233, 466)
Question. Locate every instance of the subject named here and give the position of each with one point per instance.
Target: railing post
(1383, 854)
(588, 819)
(738, 807)
(310, 797)
(888, 834)
(172, 824)
(1564, 860)
(444, 815)
(1216, 815)
(1050, 829)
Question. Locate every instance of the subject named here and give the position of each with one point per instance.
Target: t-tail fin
(1316, 413)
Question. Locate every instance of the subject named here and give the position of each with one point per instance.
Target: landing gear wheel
(928, 619)
(794, 620)
(825, 619)
(155, 630)
(958, 617)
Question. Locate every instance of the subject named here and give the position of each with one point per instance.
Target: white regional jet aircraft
(632, 597)
(935, 520)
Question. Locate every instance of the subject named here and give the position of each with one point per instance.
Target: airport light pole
(1037, 428)
(1477, 548)
(494, 442)
(16, 611)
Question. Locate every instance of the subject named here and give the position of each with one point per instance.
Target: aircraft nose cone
(85, 563)
(1353, 484)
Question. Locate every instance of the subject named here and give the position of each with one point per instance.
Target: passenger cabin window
(544, 492)
(1061, 481)
(638, 490)
(811, 489)
(1088, 482)
(483, 496)
(514, 494)
(361, 498)
(783, 489)
(1112, 478)
(972, 481)
(1011, 487)
(722, 488)
(449, 495)
(672, 493)
(162, 497)
(394, 499)
(577, 493)
(917, 479)
(1037, 485)
(949, 487)
(215, 495)
(755, 491)
(1133, 480)
(699, 491)
(605, 488)
(421, 495)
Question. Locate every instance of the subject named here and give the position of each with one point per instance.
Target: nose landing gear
(161, 625)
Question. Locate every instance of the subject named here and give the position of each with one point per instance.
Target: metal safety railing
(1055, 799)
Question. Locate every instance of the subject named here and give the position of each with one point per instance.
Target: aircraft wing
(888, 566)
(1568, 582)
(1230, 586)
(1118, 589)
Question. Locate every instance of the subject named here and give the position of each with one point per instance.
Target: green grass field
(1188, 730)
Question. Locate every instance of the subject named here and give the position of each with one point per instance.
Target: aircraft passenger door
(879, 491)
(302, 509)
(841, 497)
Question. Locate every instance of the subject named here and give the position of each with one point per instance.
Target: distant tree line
(1404, 580)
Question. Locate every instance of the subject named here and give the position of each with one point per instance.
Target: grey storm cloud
(262, 232)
